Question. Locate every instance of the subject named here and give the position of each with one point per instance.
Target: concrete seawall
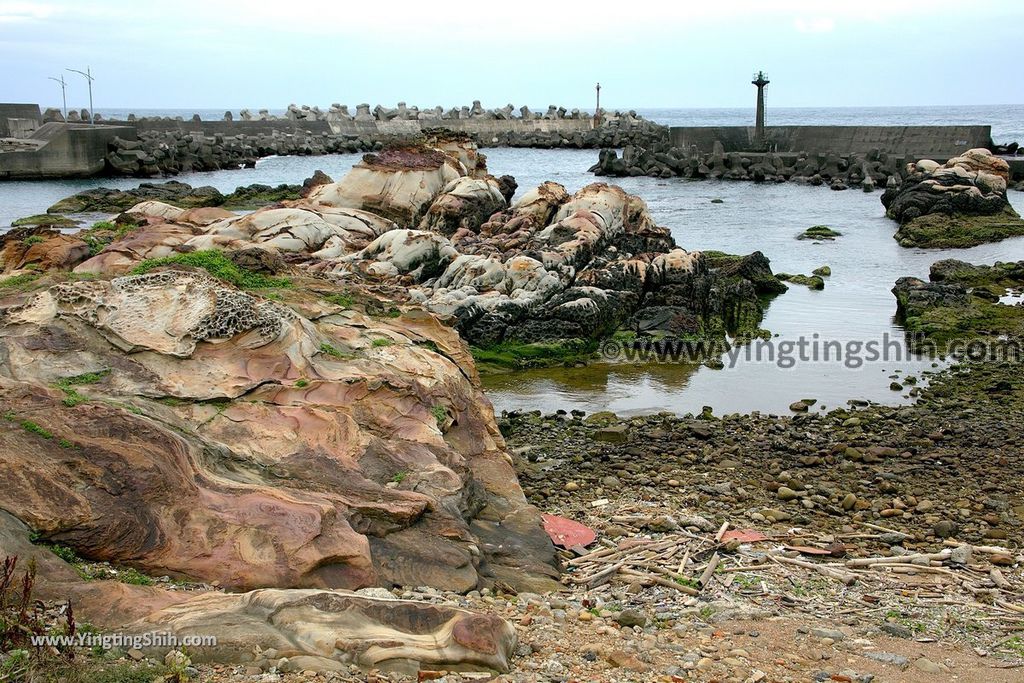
(61, 150)
(932, 142)
(19, 120)
(372, 129)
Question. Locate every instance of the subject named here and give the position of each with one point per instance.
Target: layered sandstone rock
(959, 204)
(36, 249)
(299, 629)
(397, 184)
(323, 428)
(230, 438)
(330, 630)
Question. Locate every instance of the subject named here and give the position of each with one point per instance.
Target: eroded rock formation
(230, 438)
(959, 204)
(285, 400)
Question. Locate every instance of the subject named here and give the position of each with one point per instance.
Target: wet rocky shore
(270, 427)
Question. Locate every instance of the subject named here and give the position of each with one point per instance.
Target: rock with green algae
(812, 281)
(957, 231)
(45, 220)
(959, 204)
(960, 301)
(819, 232)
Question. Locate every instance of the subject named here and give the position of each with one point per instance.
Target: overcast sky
(226, 54)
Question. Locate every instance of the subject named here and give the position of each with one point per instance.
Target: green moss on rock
(45, 220)
(819, 232)
(936, 230)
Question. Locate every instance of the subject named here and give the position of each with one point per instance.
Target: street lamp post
(597, 109)
(88, 76)
(63, 93)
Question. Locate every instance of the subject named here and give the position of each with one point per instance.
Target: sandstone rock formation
(286, 399)
(329, 630)
(398, 184)
(296, 629)
(230, 438)
(959, 204)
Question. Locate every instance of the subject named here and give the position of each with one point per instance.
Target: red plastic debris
(808, 550)
(567, 533)
(743, 536)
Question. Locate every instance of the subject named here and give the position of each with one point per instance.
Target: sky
(223, 54)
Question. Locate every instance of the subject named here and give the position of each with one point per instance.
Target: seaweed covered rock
(175, 194)
(962, 301)
(959, 204)
(106, 200)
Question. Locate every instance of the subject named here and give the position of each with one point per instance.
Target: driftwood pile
(815, 574)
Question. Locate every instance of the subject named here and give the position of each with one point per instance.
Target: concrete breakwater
(152, 146)
(837, 156)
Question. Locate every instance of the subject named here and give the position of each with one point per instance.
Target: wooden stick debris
(709, 571)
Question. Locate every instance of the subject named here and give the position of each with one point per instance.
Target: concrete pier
(917, 142)
(62, 150)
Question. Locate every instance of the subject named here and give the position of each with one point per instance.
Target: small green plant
(331, 350)
(103, 233)
(177, 662)
(18, 281)
(85, 378)
(399, 477)
(302, 383)
(33, 428)
(440, 414)
(1015, 645)
(685, 581)
(129, 407)
(218, 265)
(134, 577)
(64, 443)
(15, 665)
(67, 384)
(72, 398)
(745, 581)
(33, 239)
(706, 612)
(429, 345)
(343, 300)
(63, 552)
(382, 341)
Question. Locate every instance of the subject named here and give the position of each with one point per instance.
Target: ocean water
(855, 307)
(1007, 121)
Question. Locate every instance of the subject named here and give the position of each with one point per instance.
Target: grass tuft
(218, 265)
